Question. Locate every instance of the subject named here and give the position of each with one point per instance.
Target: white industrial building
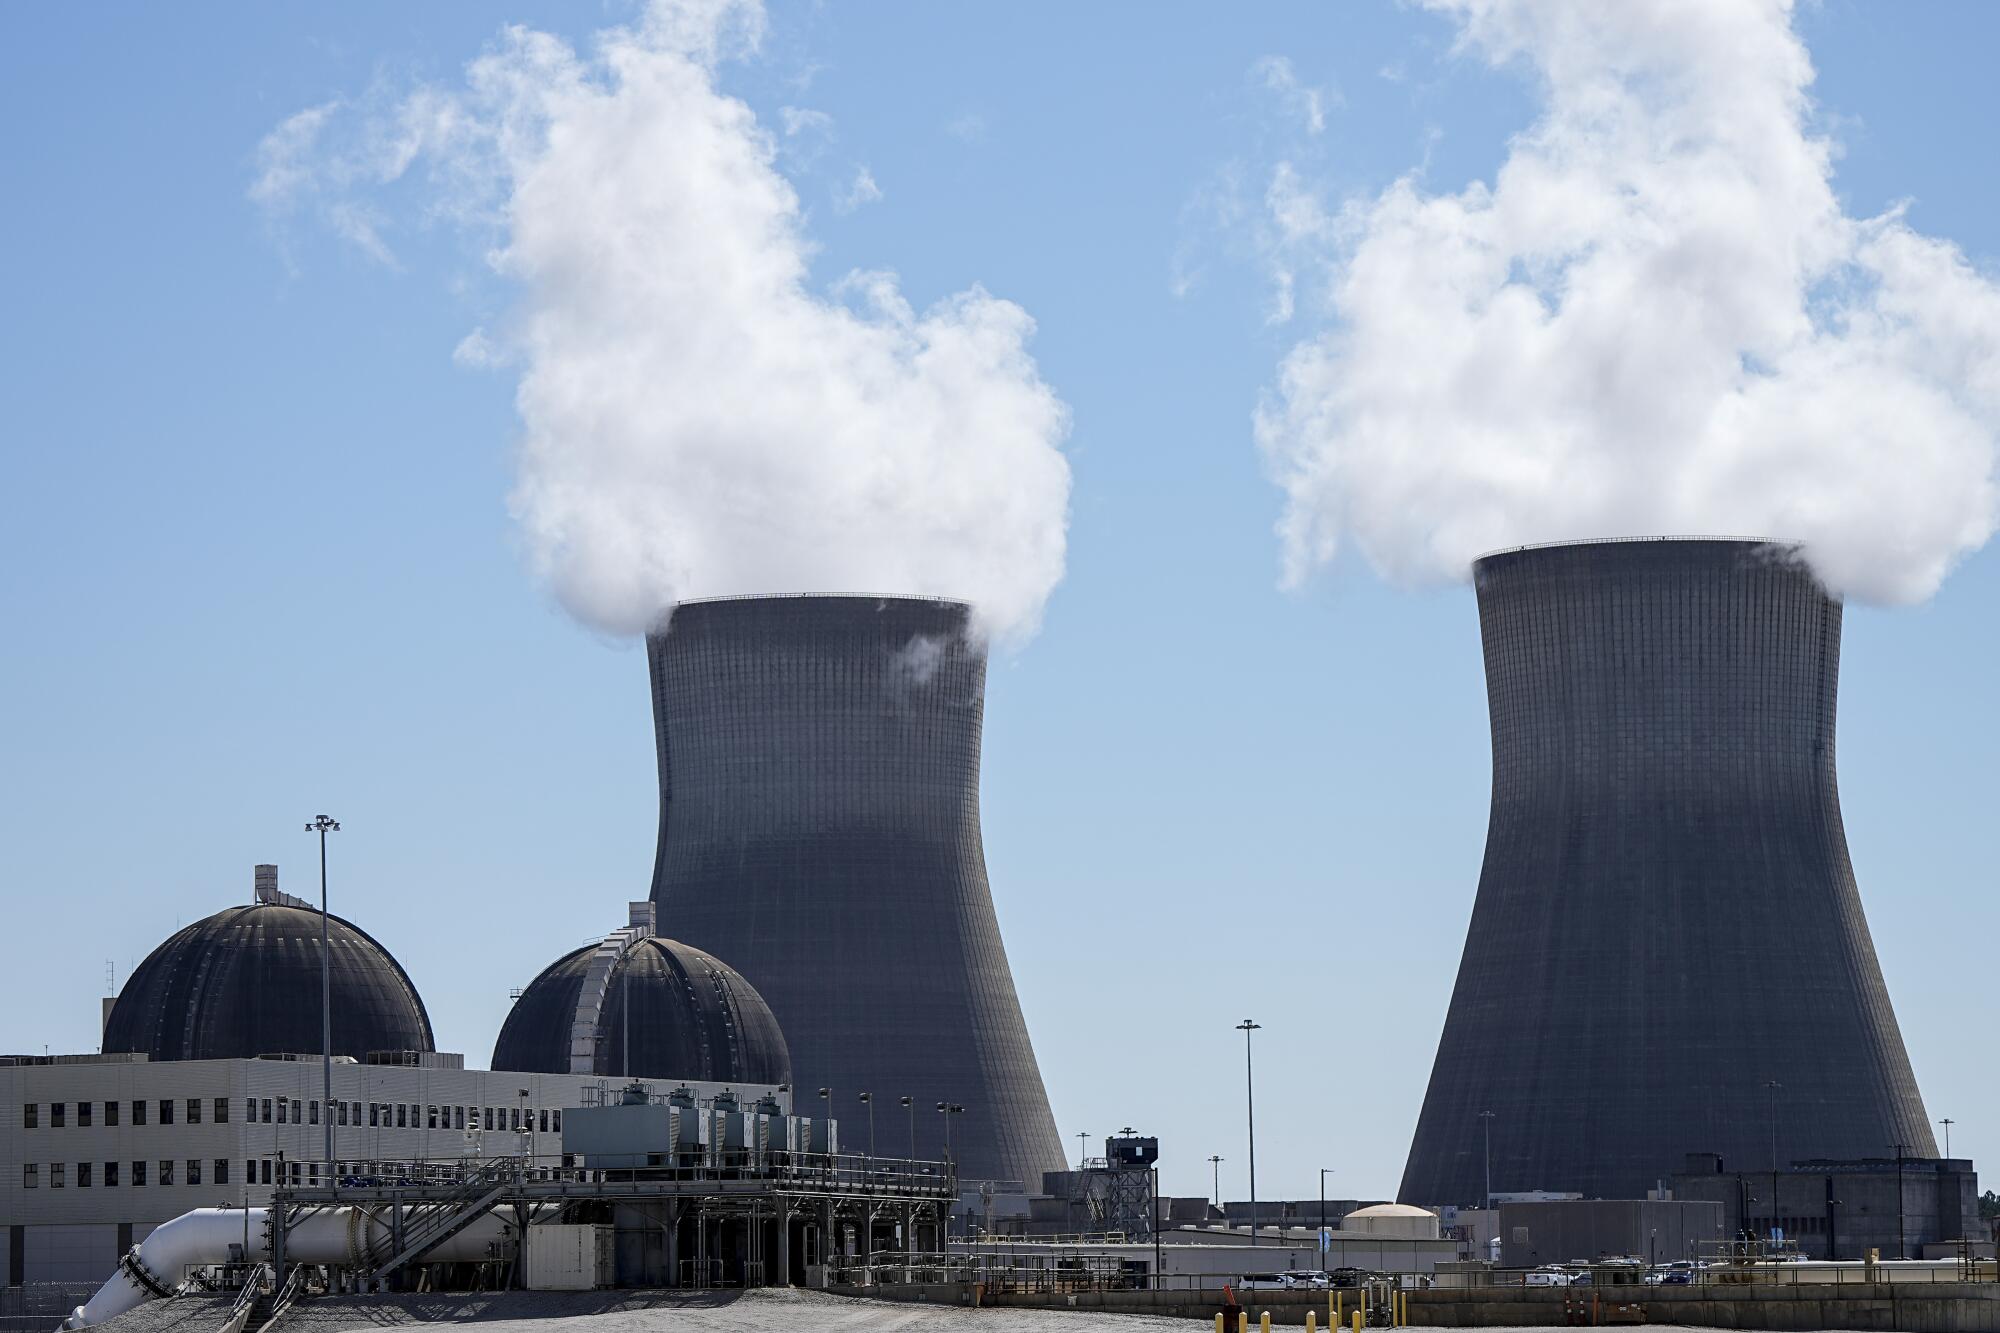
(97, 1150)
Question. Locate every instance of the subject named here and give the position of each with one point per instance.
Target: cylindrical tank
(819, 830)
(1667, 952)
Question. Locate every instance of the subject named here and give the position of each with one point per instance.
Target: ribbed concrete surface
(819, 833)
(1667, 920)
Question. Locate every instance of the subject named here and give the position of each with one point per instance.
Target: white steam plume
(1656, 319)
(697, 418)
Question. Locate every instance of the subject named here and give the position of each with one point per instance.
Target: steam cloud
(1656, 319)
(697, 418)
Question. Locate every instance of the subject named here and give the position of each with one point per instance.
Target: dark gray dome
(693, 1017)
(246, 982)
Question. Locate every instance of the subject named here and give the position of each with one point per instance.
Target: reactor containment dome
(1667, 952)
(636, 1005)
(246, 982)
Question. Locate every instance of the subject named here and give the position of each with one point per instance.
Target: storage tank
(1667, 951)
(819, 829)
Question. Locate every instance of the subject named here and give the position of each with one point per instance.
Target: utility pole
(1324, 1172)
(1947, 1122)
(1774, 1085)
(1215, 1171)
(1902, 1235)
(1486, 1123)
(324, 825)
(1246, 1027)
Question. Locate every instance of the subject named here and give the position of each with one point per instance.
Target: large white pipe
(344, 1237)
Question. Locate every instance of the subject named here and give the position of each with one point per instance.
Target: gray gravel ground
(762, 1311)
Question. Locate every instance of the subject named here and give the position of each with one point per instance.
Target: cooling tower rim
(957, 604)
(1782, 543)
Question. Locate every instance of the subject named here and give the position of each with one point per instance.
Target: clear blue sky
(258, 562)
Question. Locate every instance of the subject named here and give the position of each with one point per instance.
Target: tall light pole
(1082, 1148)
(1774, 1085)
(1947, 1122)
(324, 825)
(1246, 1027)
(1215, 1172)
(868, 1100)
(910, 1105)
(1324, 1172)
(949, 1109)
(826, 1110)
(1486, 1123)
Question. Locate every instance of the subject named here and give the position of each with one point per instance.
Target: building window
(458, 1117)
(267, 1110)
(267, 1171)
(166, 1111)
(250, 1110)
(281, 1111)
(31, 1176)
(374, 1113)
(312, 1175)
(402, 1113)
(57, 1111)
(110, 1174)
(357, 1113)
(314, 1113)
(545, 1120)
(222, 1170)
(31, 1115)
(111, 1113)
(138, 1113)
(295, 1174)
(194, 1171)
(83, 1175)
(555, 1119)
(221, 1110)
(343, 1112)
(194, 1111)
(83, 1110)
(298, 1112)
(56, 1170)
(250, 1171)
(138, 1173)
(166, 1171)
(431, 1117)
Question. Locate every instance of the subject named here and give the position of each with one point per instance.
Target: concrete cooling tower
(1667, 923)
(819, 831)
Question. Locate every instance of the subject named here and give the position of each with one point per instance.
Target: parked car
(1263, 1282)
(1347, 1277)
(1547, 1276)
(1307, 1279)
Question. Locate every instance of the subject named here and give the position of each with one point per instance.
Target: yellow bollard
(1356, 1317)
(1363, 1311)
(1312, 1321)
(1264, 1322)
(1218, 1322)
(1337, 1303)
(1243, 1321)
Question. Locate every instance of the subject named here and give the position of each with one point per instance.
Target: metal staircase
(430, 1225)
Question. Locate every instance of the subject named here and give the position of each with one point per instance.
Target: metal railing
(844, 1173)
(37, 1307)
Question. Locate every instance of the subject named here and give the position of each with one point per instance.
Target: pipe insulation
(343, 1237)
